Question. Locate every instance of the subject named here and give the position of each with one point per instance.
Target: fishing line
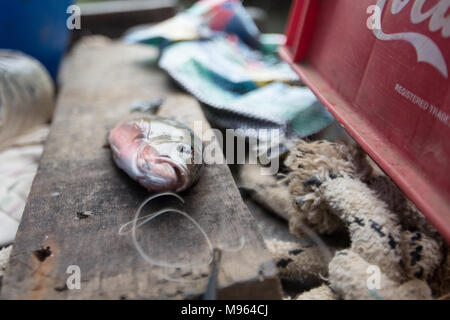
(147, 218)
(154, 216)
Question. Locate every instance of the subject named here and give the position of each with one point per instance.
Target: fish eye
(139, 136)
(184, 148)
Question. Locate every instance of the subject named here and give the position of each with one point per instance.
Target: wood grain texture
(100, 81)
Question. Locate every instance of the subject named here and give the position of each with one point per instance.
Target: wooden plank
(100, 81)
(113, 18)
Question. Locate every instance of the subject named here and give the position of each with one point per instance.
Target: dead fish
(161, 154)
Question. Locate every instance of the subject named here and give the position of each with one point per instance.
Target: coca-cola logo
(427, 50)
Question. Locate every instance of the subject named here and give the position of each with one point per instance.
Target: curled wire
(138, 221)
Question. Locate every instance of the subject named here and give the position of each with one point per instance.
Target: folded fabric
(182, 27)
(215, 52)
(231, 78)
(203, 20)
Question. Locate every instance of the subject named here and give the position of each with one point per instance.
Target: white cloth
(18, 166)
(4, 257)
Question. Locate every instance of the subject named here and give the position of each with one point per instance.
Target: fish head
(157, 153)
(165, 166)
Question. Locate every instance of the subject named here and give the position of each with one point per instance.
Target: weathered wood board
(112, 19)
(100, 81)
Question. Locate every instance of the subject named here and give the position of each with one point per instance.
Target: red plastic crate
(383, 72)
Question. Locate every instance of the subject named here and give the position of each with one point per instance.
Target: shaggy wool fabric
(421, 244)
(411, 218)
(310, 163)
(349, 275)
(374, 230)
(315, 214)
(421, 254)
(440, 282)
(332, 186)
(267, 191)
(296, 262)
